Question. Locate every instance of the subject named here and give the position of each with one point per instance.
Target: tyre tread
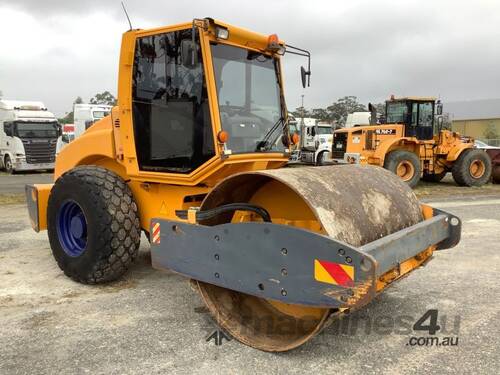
(118, 223)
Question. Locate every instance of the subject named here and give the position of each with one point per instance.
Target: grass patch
(450, 189)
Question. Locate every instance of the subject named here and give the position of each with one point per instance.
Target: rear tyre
(93, 225)
(434, 177)
(8, 165)
(404, 164)
(472, 168)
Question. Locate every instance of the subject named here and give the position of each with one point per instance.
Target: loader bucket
(352, 204)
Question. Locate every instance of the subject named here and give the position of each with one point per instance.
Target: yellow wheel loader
(412, 144)
(192, 156)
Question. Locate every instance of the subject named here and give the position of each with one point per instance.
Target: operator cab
(205, 90)
(417, 115)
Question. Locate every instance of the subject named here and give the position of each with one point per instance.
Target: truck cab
(85, 115)
(315, 142)
(29, 136)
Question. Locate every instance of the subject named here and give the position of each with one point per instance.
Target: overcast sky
(56, 50)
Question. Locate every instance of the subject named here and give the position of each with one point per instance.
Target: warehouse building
(476, 118)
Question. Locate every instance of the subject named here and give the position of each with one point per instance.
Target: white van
(29, 136)
(86, 114)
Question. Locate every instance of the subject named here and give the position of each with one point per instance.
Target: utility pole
(302, 108)
(302, 124)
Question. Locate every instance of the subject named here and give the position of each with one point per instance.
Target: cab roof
(237, 35)
(22, 104)
(414, 98)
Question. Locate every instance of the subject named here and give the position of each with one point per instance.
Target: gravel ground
(152, 322)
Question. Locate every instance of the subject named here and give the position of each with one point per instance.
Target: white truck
(357, 119)
(86, 114)
(29, 136)
(315, 142)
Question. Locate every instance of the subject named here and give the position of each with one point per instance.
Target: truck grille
(339, 145)
(40, 150)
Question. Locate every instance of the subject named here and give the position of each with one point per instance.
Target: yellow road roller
(194, 155)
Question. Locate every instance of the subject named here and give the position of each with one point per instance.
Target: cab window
(396, 112)
(425, 114)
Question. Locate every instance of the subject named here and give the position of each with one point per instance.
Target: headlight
(221, 32)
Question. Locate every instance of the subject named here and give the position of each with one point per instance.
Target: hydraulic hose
(209, 214)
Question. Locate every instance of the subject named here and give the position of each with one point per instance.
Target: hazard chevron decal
(156, 233)
(333, 273)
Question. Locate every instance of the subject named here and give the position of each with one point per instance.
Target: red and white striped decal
(156, 233)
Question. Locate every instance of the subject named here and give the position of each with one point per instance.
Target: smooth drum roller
(351, 203)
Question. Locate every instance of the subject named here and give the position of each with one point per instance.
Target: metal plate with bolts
(278, 262)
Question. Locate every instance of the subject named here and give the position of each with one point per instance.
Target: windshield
(99, 114)
(324, 130)
(249, 99)
(396, 112)
(36, 129)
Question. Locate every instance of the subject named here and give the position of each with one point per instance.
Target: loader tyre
(404, 164)
(93, 225)
(472, 168)
(433, 177)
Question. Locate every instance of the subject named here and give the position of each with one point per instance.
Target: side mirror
(59, 130)
(65, 138)
(189, 55)
(7, 128)
(303, 75)
(439, 108)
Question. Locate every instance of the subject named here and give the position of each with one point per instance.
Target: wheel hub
(72, 228)
(405, 170)
(77, 227)
(477, 168)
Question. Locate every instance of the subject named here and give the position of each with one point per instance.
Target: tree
(301, 111)
(105, 98)
(339, 110)
(78, 100)
(320, 114)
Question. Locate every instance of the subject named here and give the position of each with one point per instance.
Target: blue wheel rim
(72, 228)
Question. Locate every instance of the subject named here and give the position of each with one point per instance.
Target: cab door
(422, 121)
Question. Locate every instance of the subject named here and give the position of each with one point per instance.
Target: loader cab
(416, 114)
